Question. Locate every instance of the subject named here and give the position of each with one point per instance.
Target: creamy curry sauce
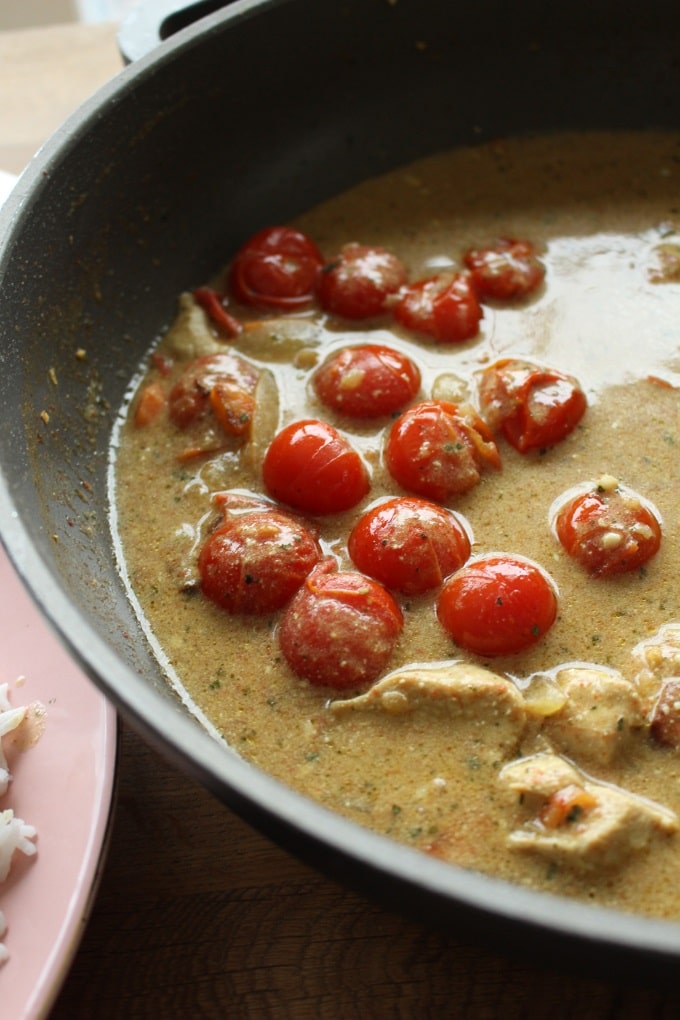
(601, 208)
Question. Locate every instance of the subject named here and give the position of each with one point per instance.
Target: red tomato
(533, 407)
(208, 384)
(507, 271)
(608, 529)
(256, 561)
(311, 466)
(277, 268)
(444, 307)
(367, 381)
(409, 544)
(358, 282)
(340, 629)
(498, 605)
(439, 450)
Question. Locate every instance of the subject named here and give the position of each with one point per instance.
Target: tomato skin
(340, 629)
(311, 466)
(256, 561)
(192, 396)
(497, 604)
(444, 307)
(437, 450)
(214, 306)
(509, 270)
(409, 544)
(533, 407)
(368, 381)
(276, 268)
(608, 529)
(358, 282)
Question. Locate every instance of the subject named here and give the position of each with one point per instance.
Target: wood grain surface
(196, 915)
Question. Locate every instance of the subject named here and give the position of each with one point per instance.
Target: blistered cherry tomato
(497, 605)
(340, 629)
(534, 407)
(277, 268)
(444, 307)
(408, 544)
(256, 561)
(608, 529)
(438, 449)
(367, 381)
(311, 466)
(507, 271)
(222, 383)
(357, 284)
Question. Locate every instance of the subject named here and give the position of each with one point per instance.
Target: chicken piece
(601, 711)
(664, 719)
(577, 821)
(190, 335)
(492, 703)
(657, 658)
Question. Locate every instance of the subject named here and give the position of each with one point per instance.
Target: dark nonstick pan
(245, 118)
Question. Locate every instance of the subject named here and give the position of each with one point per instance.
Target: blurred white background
(31, 13)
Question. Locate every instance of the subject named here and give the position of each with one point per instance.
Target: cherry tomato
(256, 561)
(444, 307)
(498, 604)
(409, 544)
(367, 381)
(277, 268)
(533, 407)
(357, 284)
(340, 629)
(439, 450)
(608, 529)
(209, 384)
(311, 466)
(507, 271)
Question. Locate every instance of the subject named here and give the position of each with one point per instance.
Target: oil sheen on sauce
(602, 209)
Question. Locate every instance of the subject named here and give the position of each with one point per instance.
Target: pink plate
(63, 785)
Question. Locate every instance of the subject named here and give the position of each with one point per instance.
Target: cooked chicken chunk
(657, 658)
(190, 335)
(578, 821)
(664, 719)
(492, 703)
(600, 712)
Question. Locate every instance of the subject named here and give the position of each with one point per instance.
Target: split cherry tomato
(608, 529)
(507, 271)
(256, 561)
(444, 307)
(340, 629)
(533, 407)
(357, 284)
(408, 544)
(498, 605)
(438, 449)
(311, 466)
(277, 268)
(222, 383)
(367, 381)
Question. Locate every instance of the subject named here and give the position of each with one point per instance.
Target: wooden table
(197, 915)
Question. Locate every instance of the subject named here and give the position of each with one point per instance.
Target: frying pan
(246, 117)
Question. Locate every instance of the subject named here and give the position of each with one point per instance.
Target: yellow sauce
(600, 208)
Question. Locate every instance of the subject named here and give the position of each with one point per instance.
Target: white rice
(15, 834)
